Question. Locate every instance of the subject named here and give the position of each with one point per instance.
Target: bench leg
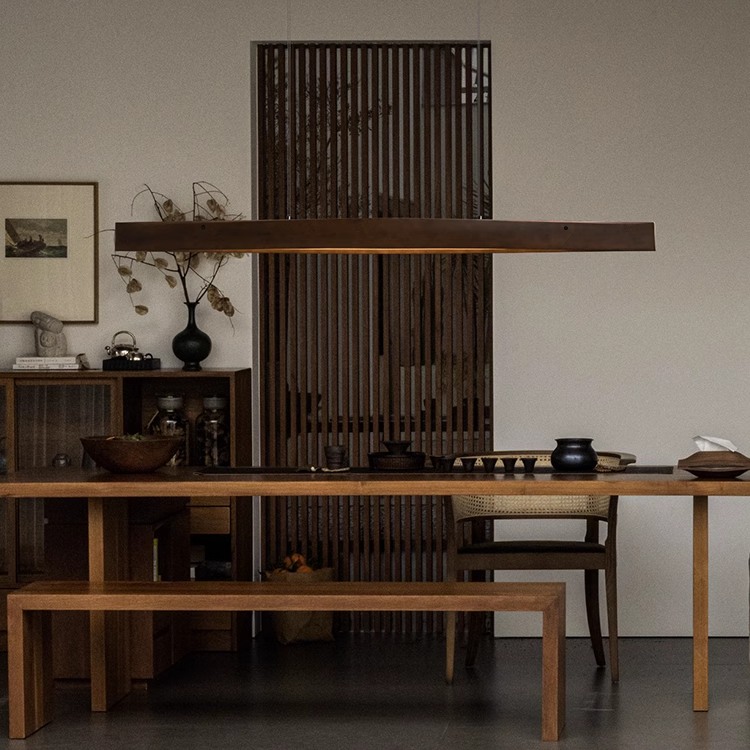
(29, 671)
(553, 670)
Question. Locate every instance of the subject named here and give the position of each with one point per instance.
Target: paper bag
(295, 627)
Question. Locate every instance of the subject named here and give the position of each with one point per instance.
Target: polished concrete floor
(369, 692)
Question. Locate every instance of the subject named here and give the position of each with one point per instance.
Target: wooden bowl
(716, 464)
(122, 455)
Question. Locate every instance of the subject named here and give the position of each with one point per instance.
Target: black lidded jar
(574, 455)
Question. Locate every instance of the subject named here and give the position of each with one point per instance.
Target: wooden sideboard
(43, 414)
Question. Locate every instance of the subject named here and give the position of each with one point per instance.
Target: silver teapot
(123, 350)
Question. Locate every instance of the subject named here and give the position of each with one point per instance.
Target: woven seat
(588, 554)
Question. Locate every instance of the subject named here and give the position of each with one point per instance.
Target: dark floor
(388, 693)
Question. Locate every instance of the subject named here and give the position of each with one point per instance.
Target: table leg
(700, 603)
(110, 631)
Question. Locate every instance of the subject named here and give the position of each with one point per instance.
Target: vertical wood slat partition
(360, 348)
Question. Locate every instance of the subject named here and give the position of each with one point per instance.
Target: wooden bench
(29, 642)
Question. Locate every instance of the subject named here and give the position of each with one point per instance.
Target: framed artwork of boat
(49, 260)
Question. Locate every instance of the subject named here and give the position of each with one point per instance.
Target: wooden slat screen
(360, 348)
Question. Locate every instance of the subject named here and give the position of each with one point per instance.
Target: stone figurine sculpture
(48, 336)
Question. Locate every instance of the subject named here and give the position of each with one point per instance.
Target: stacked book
(74, 362)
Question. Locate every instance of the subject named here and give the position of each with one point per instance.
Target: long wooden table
(107, 513)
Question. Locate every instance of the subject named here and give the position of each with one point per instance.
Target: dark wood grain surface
(392, 235)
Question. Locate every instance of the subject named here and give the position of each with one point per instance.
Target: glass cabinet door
(49, 420)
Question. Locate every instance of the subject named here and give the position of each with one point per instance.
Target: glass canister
(172, 421)
(212, 433)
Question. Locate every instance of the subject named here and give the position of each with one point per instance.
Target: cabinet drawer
(210, 520)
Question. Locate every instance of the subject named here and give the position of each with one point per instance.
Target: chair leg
(610, 584)
(591, 584)
(450, 645)
(475, 631)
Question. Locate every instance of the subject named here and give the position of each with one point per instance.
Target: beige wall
(602, 110)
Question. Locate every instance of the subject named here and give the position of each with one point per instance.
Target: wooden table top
(178, 482)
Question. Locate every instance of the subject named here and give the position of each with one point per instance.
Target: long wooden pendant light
(398, 236)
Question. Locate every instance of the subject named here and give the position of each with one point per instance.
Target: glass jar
(172, 421)
(212, 433)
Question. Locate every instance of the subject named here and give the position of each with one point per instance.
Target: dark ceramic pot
(574, 454)
(191, 345)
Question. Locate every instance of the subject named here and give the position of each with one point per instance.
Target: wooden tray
(411, 461)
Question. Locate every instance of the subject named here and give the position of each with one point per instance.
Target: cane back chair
(588, 555)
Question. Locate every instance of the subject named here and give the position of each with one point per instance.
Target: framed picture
(49, 260)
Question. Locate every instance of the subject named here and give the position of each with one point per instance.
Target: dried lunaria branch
(196, 271)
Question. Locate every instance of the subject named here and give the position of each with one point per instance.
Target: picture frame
(49, 260)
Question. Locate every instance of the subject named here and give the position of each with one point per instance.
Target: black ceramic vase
(574, 454)
(191, 345)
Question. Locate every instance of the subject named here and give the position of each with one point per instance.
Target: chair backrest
(539, 506)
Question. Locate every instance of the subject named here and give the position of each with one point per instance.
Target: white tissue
(714, 444)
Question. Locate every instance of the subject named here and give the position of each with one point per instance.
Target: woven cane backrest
(534, 506)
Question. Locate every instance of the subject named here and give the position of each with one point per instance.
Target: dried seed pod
(209, 204)
(171, 212)
(217, 210)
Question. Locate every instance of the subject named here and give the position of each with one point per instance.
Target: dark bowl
(127, 456)
(397, 447)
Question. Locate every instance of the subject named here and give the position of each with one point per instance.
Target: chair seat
(587, 555)
(523, 545)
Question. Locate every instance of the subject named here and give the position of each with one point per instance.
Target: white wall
(602, 110)
(631, 111)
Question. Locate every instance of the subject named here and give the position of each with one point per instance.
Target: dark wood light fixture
(393, 236)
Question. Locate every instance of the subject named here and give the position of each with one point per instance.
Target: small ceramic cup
(489, 463)
(509, 465)
(446, 463)
(528, 465)
(335, 456)
(468, 464)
